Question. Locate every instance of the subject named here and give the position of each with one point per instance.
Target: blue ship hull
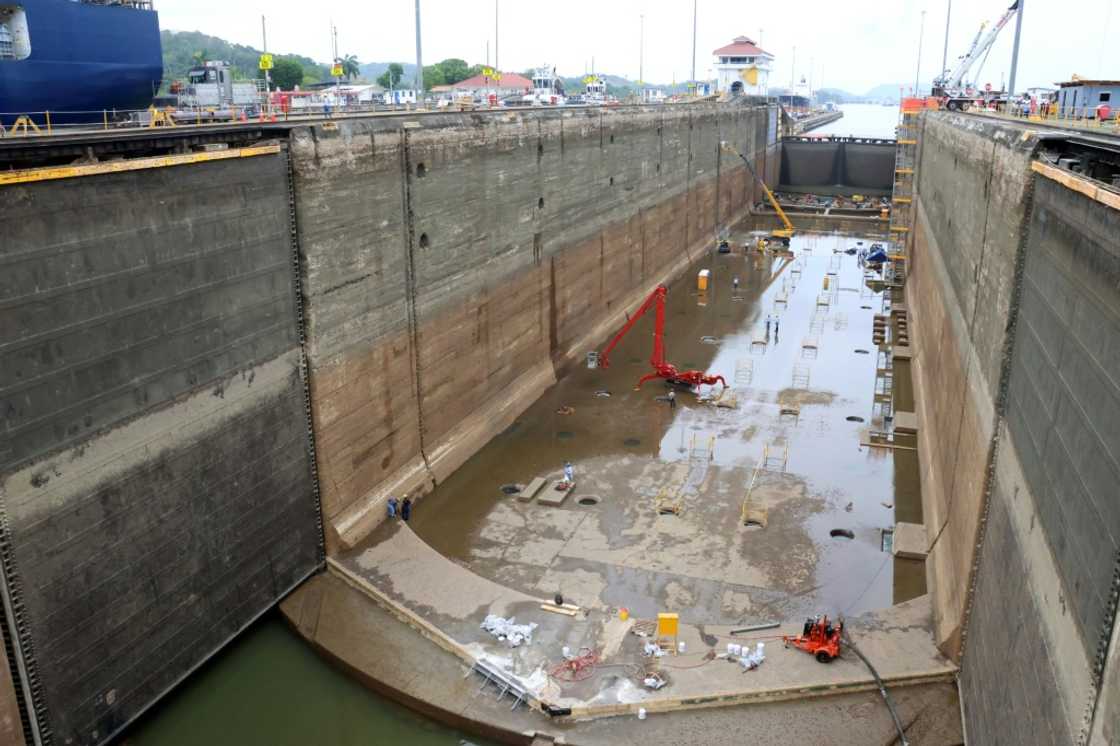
(85, 59)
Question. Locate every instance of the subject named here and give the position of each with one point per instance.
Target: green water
(269, 687)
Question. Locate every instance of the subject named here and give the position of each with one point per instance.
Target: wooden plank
(531, 489)
(136, 164)
(1078, 184)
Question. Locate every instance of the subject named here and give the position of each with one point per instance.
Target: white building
(742, 68)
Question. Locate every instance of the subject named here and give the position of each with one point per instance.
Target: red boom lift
(820, 639)
(661, 369)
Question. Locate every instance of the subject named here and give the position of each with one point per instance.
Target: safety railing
(1110, 125)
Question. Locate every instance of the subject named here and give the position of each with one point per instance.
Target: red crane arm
(658, 358)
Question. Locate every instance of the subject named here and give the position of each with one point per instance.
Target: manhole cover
(842, 533)
(511, 489)
(565, 435)
(603, 394)
(862, 352)
(588, 500)
(632, 442)
(854, 418)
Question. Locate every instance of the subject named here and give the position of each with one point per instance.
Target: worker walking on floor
(735, 282)
(569, 473)
(391, 507)
(406, 509)
(672, 399)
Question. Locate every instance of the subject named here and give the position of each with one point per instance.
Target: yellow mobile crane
(783, 234)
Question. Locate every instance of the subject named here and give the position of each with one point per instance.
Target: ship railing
(137, 4)
(32, 124)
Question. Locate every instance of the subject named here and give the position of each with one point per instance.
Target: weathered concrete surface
(448, 602)
(354, 631)
(959, 293)
(154, 462)
(453, 265)
(1017, 310)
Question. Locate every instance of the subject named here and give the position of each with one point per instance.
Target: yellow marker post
(702, 279)
(668, 625)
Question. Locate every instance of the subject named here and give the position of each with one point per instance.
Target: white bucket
(680, 647)
(641, 713)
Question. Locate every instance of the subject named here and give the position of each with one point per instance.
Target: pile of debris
(507, 630)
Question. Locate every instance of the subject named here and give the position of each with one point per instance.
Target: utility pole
(420, 61)
(496, 68)
(338, 78)
(694, 3)
(793, 71)
(267, 77)
(945, 52)
(1015, 51)
(641, 56)
(921, 35)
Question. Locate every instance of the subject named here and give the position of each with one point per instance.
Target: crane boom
(661, 369)
(951, 81)
(787, 230)
(658, 357)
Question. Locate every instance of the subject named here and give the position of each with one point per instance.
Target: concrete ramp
(446, 602)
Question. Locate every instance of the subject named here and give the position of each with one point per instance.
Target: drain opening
(866, 308)
(854, 418)
(632, 442)
(588, 500)
(708, 340)
(510, 489)
(863, 352)
(842, 533)
(565, 435)
(603, 394)
(753, 524)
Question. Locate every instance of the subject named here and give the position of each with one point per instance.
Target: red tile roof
(741, 46)
(509, 80)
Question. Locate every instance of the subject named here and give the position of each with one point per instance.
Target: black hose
(882, 689)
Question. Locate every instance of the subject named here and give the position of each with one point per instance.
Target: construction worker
(391, 507)
(672, 399)
(569, 473)
(735, 282)
(406, 509)
(776, 319)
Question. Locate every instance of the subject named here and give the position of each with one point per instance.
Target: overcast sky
(849, 44)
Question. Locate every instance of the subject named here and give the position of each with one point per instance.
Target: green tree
(391, 77)
(286, 73)
(198, 59)
(453, 70)
(433, 76)
(351, 68)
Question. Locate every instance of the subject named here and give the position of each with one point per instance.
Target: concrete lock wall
(156, 480)
(454, 263)
(1016, 309)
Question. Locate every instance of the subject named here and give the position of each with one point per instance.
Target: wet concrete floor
(803, 402)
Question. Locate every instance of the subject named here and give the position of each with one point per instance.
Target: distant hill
(372, 70)
(884, 92)
(181, 48)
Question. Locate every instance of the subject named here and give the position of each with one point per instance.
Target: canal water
(862, 120)
(269, 687)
